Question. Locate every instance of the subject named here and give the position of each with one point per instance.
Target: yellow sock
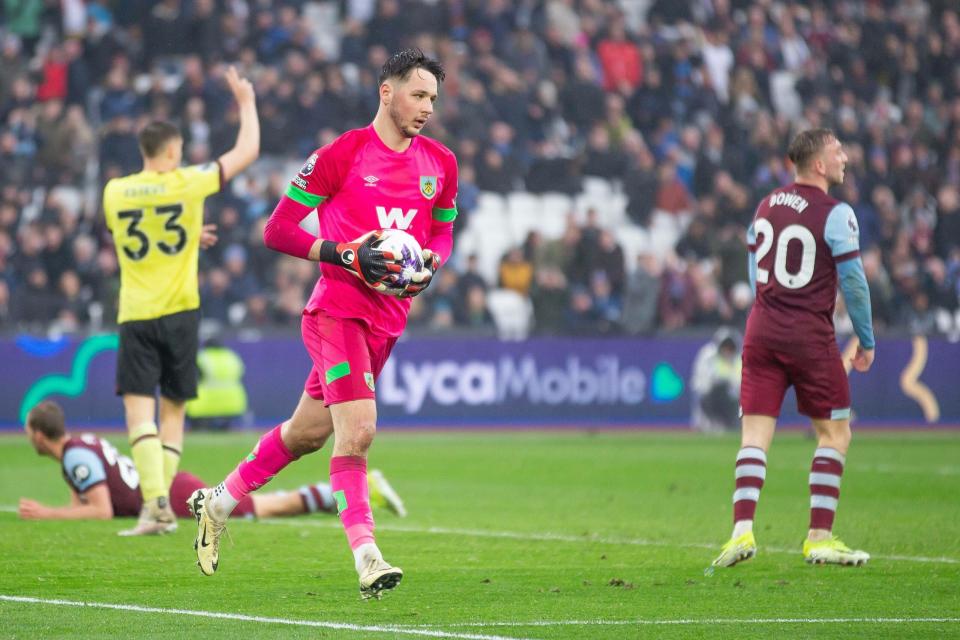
(148, 457)
(171, 461)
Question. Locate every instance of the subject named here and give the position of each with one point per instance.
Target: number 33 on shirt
(156, 220)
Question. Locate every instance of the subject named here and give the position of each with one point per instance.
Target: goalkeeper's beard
(407, 131)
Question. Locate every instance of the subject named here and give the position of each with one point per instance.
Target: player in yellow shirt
(156, 217)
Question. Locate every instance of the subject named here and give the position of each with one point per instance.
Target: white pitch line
(8, 509)
(694, 621)
(433, 631)
(561, 537)
(245, 618)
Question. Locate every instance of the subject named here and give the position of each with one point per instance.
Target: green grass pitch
(514, 535)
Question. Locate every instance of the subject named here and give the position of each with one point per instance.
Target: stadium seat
(783, 93)
(597, 187)
(634, 240)
(512, 313)
(554, 209)
(322, 20)
(524, 212)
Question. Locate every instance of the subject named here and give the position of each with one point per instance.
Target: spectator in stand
(620, 59)
(549, 297)
(35, 305)
(601, 159)
(642, 296)
(641, 186)
(471, 272)
(672, 196)
(608, 260)
(475, 315)
(672, 105)
(678, 295)
(697, 244)
(516, 272)
(947, 231)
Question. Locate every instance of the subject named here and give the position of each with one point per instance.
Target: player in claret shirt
(105, 484)
(385, 175)
(800, 241)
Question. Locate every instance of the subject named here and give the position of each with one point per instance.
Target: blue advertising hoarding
(453, 382)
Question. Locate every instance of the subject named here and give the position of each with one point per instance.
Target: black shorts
(161, 351)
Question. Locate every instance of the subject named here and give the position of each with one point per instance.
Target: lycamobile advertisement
(461, 382)
(553, 378)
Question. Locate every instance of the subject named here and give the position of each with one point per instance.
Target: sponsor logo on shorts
(368, 378)
(371, 181)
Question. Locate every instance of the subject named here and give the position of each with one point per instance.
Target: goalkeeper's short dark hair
(155, 136)
(404, 61)
(47, 418)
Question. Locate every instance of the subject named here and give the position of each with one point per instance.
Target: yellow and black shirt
(156, 220)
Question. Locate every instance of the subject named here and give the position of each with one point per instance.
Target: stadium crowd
(685, 106)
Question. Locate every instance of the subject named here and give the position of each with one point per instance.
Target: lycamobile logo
(474, 382)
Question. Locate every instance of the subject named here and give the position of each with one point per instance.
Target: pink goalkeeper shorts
(347, 358)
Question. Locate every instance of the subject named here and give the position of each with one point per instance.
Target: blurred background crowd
(684, 106)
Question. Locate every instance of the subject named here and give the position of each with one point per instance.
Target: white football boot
(209, 530)
(156, 518)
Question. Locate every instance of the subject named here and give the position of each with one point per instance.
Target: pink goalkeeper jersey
(358, 184)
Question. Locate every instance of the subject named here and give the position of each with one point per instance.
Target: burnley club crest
(428, 186)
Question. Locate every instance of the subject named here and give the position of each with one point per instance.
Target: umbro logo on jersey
(371, 181)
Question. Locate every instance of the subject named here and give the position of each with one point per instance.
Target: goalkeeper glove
(422, 279)
(377, 269)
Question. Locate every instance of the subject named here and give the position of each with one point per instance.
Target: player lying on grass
(105, 484)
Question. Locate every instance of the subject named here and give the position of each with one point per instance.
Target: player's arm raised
(247, 147)
(94, 504)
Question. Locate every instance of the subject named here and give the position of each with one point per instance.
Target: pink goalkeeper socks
(348, 479)
(257, 469)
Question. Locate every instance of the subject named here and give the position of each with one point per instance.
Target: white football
(407, 250)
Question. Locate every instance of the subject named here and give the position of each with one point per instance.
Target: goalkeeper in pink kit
(382, 176)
